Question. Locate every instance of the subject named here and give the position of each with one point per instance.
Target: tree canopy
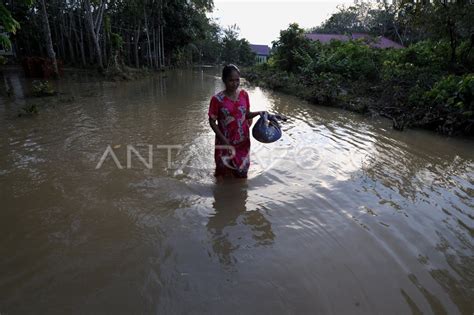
(98, 33)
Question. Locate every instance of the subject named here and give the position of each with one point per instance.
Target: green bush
(325, 89)
(453, 93)
(43, 88)
(420, 64)
(28, 110)
(352, 60)
(407, 74)
(466, 56)
(448, 106)
(430, 54)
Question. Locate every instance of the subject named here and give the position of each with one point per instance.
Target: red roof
(380, 42)
(262, 50)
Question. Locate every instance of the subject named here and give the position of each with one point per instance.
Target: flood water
(343, 215)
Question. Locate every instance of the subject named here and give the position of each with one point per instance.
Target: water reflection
(12, 86)
(227, 225)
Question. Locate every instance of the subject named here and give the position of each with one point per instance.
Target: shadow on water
(230, 206)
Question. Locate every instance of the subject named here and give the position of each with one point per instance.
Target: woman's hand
(218, 133)
(279, 117)
(251, 115)
(226, 141)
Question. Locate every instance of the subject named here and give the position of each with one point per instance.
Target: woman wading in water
(230, 118)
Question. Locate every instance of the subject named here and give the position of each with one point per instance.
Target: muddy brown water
(343, 215)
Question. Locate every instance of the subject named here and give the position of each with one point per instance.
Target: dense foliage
(428, 84)
(112, 33)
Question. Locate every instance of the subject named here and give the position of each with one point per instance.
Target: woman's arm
(251, 115)
(218, 132)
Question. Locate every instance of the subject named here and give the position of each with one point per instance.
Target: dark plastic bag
(267, 129)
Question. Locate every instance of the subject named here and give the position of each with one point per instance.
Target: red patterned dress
(232, 121)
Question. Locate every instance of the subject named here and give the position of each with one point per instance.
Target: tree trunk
(63, 46)
(94, 34)
(149, 58)
(155, 53)
(81, 44)
(69, 41)
(399, 37)
(158, 36)
(452, 39)
(162, 47)
(90, 45)
(129, 50)
(48, 40)
(137, 37)
(105, 47)
(161, 40)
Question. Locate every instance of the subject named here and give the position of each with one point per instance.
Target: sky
(260, 21)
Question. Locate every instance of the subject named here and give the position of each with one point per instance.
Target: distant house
(262, 52)
(376, 42)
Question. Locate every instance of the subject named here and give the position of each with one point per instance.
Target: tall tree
(291, 38)
(49, 41)
(9, 24)
(94, 28)
(81, 30)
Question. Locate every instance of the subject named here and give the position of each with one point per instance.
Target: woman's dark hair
(228, 70)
